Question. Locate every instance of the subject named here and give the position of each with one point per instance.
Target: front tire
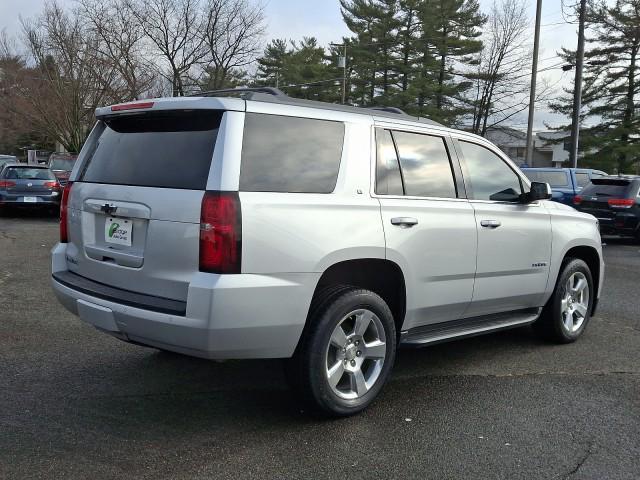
(568, 311)
(347, 353)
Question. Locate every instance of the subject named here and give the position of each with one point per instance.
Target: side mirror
(539, 191)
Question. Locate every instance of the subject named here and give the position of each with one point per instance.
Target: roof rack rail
(275, 95)
(225, 91)
(389, 109)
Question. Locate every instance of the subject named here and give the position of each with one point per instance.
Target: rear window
(555, 179)
(168, 150)
(582, 179)
(27, 173)
(290, 154)
(62, 164)
(607, 188)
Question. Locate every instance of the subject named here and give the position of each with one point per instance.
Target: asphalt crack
(590, 451)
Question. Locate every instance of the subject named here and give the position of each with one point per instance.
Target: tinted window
(608, 188)
(425, 165)
(582, 179)
(62, 164)
(490, 177)
(555, 179)
(290, 154)
(26, 173)
(388, 178)
(172, 150)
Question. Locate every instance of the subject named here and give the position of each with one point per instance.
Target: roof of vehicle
(25, 165)
(269, 95)
(615, 179)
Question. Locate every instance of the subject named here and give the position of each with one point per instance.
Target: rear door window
(425, 164)
(388, 176)
(290, 154)
(167, 150)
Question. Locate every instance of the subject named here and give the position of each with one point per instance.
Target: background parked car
(61, 165)
(4, 159)
(23, 185)
(565, 183)
(615, 202)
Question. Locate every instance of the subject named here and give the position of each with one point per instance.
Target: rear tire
(568, 311)
(346, 354)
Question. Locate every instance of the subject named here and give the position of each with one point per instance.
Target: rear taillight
(621, 202)
(64, 237)
(51, 184)
(220, 233)
(577, 200)
(7, 183)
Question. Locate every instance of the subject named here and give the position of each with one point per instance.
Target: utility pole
(534, 79)
(344, 74)
(342, 62)
(577, 89)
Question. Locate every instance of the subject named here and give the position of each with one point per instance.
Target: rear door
(134, 209)
(429, 225)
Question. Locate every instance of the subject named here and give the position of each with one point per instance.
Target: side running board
(467, 327)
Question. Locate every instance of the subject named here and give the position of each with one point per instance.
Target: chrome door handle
(404, 222)
(490, 223)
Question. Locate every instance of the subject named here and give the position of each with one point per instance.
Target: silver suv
(247, 224)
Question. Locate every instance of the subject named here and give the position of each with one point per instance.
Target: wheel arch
(591, 257)
(381, 276)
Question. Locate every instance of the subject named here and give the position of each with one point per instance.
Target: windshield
(26, 173)
(63, 164)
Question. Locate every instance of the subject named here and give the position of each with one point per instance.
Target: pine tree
(272, 63)
(450, 32)
(408, 52)
(361, 17)
(301, 68)
(312, 73)
(610, 88)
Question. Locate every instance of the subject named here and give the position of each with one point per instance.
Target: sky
(293, 19)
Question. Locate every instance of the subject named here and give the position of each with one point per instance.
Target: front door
(514, 239)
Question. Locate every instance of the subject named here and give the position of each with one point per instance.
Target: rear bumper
(224, 317)
(626, 224)
(18, 200)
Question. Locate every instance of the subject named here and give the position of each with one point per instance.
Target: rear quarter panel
(305, 232)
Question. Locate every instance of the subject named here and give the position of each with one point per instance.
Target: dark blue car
(565, 183)
(23, 185)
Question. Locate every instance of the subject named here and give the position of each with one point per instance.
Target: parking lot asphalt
(75, 403)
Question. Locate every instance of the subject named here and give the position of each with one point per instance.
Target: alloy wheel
(355, 354)
(575, 302)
